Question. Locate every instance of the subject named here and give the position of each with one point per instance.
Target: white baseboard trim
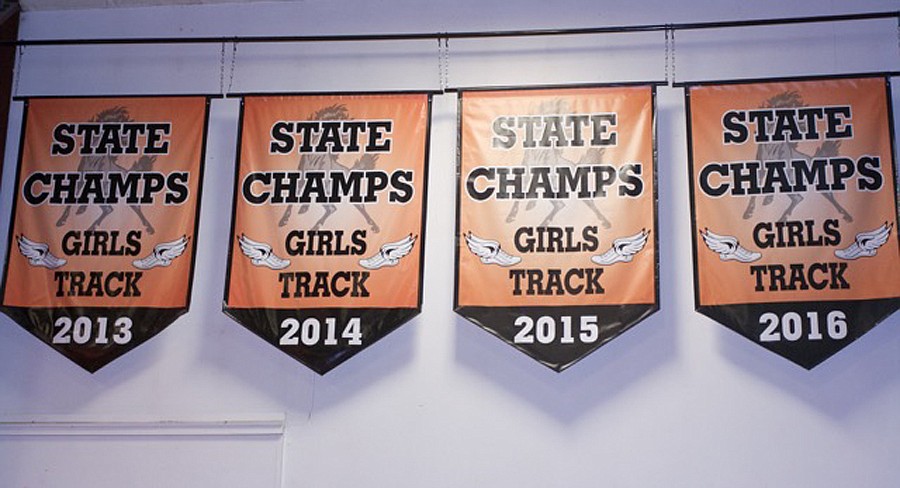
(205, 425)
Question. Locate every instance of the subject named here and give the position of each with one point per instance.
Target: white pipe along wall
(678, 401)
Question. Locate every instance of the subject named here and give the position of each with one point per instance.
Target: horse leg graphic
(751, 207)
(511, 217)
(140, 214)
(557, 206)
(844, 213)
(285, 217)
(105, 210)
(329, 209)
(795, 200)
(368, 218)
(65, 216)
(602, 218)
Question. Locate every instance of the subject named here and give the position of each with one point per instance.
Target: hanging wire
(440, 62)
(667, 32)
(446, 64)
(673, 55)
(443, 63)
(234, 47)
(222, 70)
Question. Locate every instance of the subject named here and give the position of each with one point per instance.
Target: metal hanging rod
(461, 35)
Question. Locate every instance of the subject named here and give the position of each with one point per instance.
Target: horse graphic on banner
(108, 163)
(329, 163)
(553, 157)
(787, 151)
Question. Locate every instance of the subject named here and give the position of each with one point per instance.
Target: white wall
(678, 401)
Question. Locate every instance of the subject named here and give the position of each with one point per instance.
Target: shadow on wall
(601, 376)
(839, 386)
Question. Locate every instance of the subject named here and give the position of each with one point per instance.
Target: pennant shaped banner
(794, 211)
(327, 237)
(101, 244)
(556, 228)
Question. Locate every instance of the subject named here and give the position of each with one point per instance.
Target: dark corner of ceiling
(9, 13)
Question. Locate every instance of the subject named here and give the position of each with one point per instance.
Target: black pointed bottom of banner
(612, 320)
(807, 350)
(375, 323)
(95, 352)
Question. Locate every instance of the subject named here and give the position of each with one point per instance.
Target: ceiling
(33, 5)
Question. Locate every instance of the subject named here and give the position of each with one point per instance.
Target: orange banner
(328, 216)
(105, 219)
(794, 203)
(557, 211)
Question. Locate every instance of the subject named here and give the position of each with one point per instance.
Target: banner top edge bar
(598, 84)
(738, 81)
(22, 98)
(464, 35)
(332, 93)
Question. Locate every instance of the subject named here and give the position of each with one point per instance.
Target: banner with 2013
(103, 235)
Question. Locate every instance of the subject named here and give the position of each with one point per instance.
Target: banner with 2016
(794, 211)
